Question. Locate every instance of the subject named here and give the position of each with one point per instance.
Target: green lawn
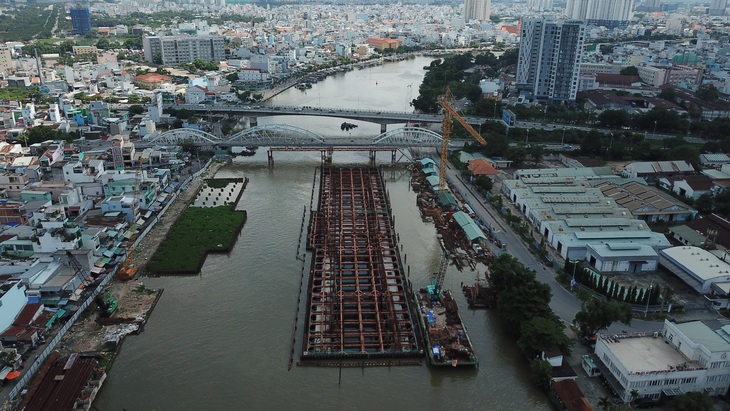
(198, 232)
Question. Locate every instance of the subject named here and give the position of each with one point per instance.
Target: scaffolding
(358, 303)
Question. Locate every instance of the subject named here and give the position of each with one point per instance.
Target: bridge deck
(358, 305)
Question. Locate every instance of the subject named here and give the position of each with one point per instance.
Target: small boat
(448, 343)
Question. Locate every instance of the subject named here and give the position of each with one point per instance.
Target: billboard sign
(508, 118)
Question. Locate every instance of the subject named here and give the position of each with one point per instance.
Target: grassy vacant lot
(198, 232)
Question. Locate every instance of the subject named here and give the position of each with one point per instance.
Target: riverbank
(136, 301)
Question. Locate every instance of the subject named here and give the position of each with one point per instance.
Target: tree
(693, 401)
(233, 77)
(606, 49)
(604, 403)
(483, 182)
(103, 44)
(540, 334)
(536, 153)
(614, 118)
(136, 109)
(668, 93)
(707, 92)
(540, 373)
(686, 152)
(596, 315)
(630, 71)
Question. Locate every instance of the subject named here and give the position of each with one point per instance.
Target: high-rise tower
(81, 20)
(477, 10)
(549, 58)
(717, 8)
(608, 13)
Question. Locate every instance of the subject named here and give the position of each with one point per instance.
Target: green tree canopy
(136, 109)
(540, 334)
(707, 92)
(596, 315)
(630, 71)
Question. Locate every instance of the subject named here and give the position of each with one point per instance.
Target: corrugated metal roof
(462, 218)
(473, 232)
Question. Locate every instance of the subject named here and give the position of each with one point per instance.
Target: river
(222, 340)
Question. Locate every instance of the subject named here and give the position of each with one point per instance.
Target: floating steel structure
(359, 304)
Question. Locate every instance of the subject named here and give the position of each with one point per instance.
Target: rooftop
(700, 333)
(698, 262)
(642, 354)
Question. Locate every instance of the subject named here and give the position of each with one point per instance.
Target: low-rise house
(688, 186)
(12, 297)
(128, 206)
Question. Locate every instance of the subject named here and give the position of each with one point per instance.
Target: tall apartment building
(81, 21)
(717, 8)
(6, 60)
(549, 58)
(608, 13)
(183, 49)
(477, 9)
(540, 5)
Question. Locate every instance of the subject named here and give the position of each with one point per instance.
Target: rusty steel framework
(359, 304)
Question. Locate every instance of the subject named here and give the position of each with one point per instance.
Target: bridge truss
(283, 135)
(409, 137)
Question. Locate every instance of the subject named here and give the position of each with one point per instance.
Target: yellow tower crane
(449, 112)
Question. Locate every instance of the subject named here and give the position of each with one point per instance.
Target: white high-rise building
(549, 58)
(717, 8)
(183, 49)
(6, 60)
(477, 10)
(540, 5)
(608, 13)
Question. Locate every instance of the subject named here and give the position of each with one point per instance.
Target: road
(563, 303)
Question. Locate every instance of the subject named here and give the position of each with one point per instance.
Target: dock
(359, 304)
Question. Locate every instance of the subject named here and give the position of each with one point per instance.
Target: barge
(447, 342)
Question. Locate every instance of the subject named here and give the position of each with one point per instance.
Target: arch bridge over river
(284, 137)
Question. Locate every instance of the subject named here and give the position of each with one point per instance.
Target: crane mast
(449, 113)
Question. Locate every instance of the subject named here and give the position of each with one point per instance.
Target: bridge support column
(392, 158)
(253, 121)
(371, 156)
(246, 123)
(383, 128)
(271, 158)
(326, 156)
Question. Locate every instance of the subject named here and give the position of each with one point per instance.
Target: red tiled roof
(28, 313)
(480, 167)
(571, 396)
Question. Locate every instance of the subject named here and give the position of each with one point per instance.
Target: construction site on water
(361, 309)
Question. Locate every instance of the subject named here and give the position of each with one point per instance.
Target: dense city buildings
(81, 20)
(477, 10)
(549, 58)
(183, 49)
(608, 13)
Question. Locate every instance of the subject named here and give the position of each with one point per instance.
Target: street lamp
(562, 140)
(655, 127)
(610, 143)
(527, 137)
(646, 310)
(407, 97)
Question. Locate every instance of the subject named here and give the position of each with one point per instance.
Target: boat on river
(448, 343)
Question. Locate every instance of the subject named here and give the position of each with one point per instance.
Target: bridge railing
(308, 109)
